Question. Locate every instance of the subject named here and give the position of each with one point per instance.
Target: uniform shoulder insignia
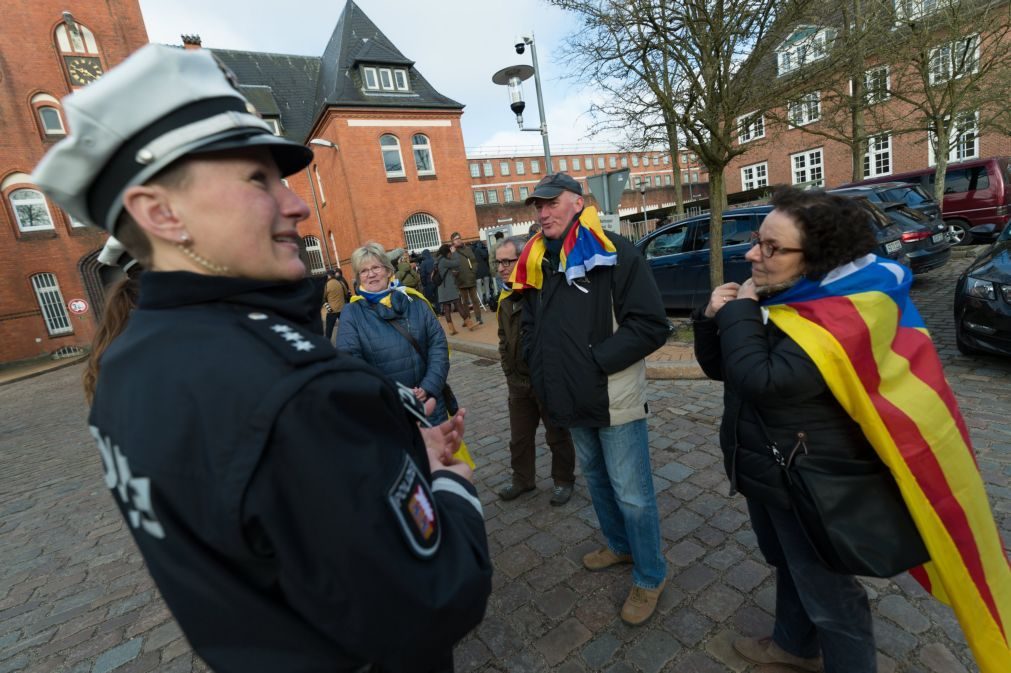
(412, 503)
(291, 342)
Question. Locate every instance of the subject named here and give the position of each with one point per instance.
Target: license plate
(893, 246)
(937, 238)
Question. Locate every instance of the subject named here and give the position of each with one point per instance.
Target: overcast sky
(456, 44)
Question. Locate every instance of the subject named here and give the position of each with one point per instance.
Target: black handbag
(850, 510)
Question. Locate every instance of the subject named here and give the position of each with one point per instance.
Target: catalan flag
(585, 247)
(871, 346)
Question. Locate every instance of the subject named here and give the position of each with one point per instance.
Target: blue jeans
(814, 606)
(615, 463)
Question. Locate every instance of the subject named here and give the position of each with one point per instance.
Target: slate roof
(356, 40)
(299, 88)
(291, 81)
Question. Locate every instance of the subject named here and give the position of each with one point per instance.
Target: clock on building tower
(83, 69)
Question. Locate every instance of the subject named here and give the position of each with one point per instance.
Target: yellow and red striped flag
(871, 346)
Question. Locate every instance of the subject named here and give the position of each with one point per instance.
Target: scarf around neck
(584, 248)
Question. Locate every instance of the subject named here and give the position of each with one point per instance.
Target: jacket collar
(297, 301)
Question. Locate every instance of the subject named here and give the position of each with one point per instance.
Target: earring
(184, 238)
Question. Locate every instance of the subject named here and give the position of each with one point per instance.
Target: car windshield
(913, 196)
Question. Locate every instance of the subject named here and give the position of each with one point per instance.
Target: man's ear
(151, 209)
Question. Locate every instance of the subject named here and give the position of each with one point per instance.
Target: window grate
(47, 291)
(421, 232)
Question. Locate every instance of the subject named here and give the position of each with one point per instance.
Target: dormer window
(375, 78)
(806, 45)
(915, 9)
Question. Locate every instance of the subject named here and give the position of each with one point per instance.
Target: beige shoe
(604, 558)
(641, 604)
(766, 651)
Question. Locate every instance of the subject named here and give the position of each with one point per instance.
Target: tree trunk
(941, 146)
(672, 141)
(717, 204)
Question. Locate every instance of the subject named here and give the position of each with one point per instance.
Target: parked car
(924, 234)
(976, 192)
(679, 252)
(983, 301)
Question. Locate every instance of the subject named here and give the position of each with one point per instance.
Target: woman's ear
(151, 209)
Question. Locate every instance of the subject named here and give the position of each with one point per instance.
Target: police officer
(284, 501)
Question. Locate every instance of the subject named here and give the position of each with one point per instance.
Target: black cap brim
(290, 157)
(544, 193)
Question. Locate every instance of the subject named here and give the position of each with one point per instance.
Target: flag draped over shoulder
(868, 341)
(585, 247)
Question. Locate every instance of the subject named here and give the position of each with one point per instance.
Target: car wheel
(958, 232)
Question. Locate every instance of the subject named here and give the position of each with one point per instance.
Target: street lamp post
(513, 77)
(320, 142)
(642, 192)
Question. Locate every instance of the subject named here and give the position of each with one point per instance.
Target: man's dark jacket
(586, 343)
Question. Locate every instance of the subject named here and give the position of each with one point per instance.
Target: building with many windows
(792, 144)
(502, 180)
(50, 292)
(390, 163)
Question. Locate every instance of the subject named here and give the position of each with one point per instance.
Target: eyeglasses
(768, 248)
(368, 271)
(505, 262)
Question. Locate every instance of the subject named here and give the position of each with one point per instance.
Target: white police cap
(158, 105)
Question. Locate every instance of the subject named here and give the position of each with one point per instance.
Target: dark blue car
(679, 253)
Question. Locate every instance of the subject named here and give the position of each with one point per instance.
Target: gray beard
(764, 291)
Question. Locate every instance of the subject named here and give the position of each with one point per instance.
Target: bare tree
(956, 74)
(705, 62)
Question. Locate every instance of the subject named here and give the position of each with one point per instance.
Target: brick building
(782, 149)
(48, 259)
(501, 181)
(390, 162)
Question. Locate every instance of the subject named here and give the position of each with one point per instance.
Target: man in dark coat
(466, 280)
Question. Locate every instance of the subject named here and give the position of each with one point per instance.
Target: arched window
(30, 210)
(47, 291)
(79, 49)
(315, 253)
(393, 162)
(48, 116)
(421, 232)
(422, 154)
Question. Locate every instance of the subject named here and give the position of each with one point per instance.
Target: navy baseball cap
(552, 185)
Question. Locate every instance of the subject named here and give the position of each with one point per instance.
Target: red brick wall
(32, 64)
(361, 203)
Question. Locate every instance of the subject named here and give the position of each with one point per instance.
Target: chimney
(191, 42)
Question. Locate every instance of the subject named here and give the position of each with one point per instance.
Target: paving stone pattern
(75, 597)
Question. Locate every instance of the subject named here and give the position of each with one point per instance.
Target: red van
(977, 191)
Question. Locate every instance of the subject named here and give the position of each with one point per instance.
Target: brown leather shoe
(766, 651)
(604, 558)
(641, 604)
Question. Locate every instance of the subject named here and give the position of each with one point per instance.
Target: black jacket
(585, 343)
(766, 373)
(279, 493)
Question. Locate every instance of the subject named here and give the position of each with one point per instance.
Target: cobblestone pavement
(75, 597)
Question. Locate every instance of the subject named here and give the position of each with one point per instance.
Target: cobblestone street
(75, 597)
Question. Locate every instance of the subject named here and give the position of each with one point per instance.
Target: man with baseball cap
(285, 503)
(592, 313)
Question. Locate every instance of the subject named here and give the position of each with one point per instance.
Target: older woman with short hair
(393, 328)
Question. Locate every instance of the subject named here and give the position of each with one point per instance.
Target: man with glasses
(525, 410)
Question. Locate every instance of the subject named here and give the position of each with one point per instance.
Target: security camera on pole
(513, 77)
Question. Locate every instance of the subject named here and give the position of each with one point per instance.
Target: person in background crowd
(425, 269)
(588, 325)
(333, 302)
(535, 228)
(395, 330)
(525, 410)
(484, 284)
(448, 265)
(289, 510)
(499, 283)
(407, 274)
(466, 278)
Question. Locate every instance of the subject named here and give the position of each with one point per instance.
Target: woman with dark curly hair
(770, 380)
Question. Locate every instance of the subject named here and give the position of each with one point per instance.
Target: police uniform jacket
(279, 493)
